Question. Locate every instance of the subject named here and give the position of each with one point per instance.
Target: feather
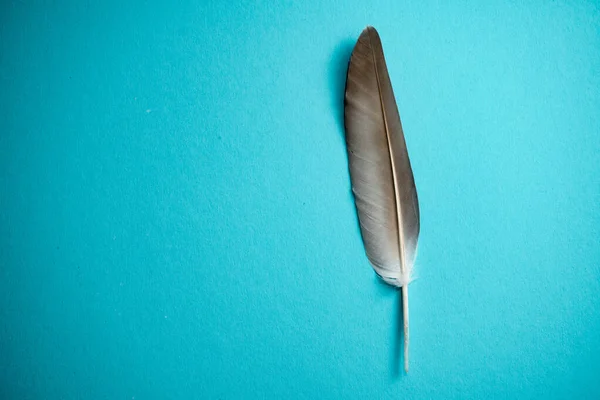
(382, 178)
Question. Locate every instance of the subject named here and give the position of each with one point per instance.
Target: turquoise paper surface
(176, 220)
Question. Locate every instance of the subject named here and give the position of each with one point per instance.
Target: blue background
(176, 218)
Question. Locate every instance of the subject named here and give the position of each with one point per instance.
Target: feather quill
(382, 178)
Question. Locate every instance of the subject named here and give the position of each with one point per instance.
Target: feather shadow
(338, 68)
(397, 339)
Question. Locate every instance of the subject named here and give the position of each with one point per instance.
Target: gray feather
(380, 171)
